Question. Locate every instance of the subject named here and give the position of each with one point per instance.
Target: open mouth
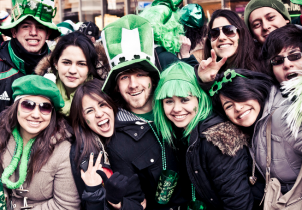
(34, 123)
(104, 125)
(135, 94)
(291, 75)
(244, 114)
(224, 46)
(180, 117)
(32, 41)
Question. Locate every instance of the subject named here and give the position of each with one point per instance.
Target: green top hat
(296, 2)
(129, 44)
(41, 10)
(192, 15)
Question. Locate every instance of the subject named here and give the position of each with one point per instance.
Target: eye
(102, 104)
(65, 62)
(168, 101)
(228, 107)
(256, 25)
(183, 100)
(88, 111)
(41, 27)
(271, 17)
(82, 64)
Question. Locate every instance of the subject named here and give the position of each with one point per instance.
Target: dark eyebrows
(226, 103)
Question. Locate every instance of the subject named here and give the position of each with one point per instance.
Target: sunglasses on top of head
(228, 30)
(277, 60)
(28, 106)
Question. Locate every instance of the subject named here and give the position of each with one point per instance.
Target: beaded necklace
(9, 170)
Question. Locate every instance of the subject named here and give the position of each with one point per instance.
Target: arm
(65, 194)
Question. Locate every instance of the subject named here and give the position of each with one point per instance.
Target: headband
(228, 76)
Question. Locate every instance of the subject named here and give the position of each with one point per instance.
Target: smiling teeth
(34, 123)
(224, 46)
(33, 41)
(103, 122)
(134, 94)
(180, 116)
(245, 113)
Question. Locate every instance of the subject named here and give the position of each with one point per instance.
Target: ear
(48, 34)
(14, 32)
(287, 21)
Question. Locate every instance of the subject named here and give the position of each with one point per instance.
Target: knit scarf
(9, 170)
(24, 60)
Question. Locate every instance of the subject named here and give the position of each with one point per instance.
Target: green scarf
(2, 197)
(9, 170)
(66, 109)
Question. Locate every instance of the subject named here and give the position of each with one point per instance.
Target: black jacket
(166, 58)
(8, 74)
(134, 149)
(217, 164)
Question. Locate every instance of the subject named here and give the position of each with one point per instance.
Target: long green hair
(178, 80)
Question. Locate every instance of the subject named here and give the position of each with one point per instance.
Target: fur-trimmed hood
(102, 68)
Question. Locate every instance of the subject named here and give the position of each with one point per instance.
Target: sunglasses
(28, 106)
(229, 31)
(277, 60)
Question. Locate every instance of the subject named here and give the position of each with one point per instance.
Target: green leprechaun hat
(129, 44)
(41, 10)
(296, 2)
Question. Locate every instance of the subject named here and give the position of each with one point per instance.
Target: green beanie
(38, 86)
(255, 4)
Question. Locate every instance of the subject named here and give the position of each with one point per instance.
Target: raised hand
(90, 177)
(208, 69)
(185, 47)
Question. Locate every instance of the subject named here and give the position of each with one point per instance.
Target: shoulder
(227, 137)
(43, 65)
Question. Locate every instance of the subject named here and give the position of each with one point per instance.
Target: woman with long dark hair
(92, 116)
(228, 45)
(73, 61)
(34, 147)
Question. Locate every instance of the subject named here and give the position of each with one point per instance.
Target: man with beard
(31, 26)
(135, 147)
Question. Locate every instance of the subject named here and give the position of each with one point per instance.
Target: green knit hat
(192, 15)
(38, 86)
(296, 2)
(65, 28)
(255, 4)
(129, 44)
(41, 10)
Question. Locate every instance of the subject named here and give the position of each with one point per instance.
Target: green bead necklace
(9, 170)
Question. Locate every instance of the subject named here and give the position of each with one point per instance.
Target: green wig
(179, 80)
(165, 21)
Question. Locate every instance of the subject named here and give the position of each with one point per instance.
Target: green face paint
(195, 109)
(149, 85)
(88, 122)
(18, 113)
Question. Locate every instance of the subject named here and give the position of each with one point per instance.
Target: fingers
(222, 61)
(98, 160)
(90, 164)
(213, 55)
(204, 63)
(103, 175)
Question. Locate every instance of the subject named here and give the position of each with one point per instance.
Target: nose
(133, 82)
(33, 30)
(35, 113)
(265, 25)
(99, 113)
(177, 107)
(238, 106)
(287, 64)
(222, 36)
(72, 69)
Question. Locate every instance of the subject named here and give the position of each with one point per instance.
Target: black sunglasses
(28, 106)
(229, 31)
(277, 60)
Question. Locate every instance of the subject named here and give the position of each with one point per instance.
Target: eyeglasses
(277, 60)
(229, 31)
(28, 106)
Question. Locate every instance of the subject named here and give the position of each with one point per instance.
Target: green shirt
(148, 116)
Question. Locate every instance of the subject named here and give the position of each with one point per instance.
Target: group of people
(165, 113)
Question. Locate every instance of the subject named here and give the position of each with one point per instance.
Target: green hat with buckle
(129, 44)
(41, 10)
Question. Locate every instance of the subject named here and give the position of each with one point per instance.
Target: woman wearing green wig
(211, 150)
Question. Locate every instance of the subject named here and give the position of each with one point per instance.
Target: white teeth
(291, 74)
(134, 94)
(33, 41)
(245, 113)
(103, 122)
(179, 116)
(34, 123)
(224, 45)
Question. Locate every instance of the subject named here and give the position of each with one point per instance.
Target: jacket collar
(4, 54)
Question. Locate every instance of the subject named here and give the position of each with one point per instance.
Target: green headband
(228, 76)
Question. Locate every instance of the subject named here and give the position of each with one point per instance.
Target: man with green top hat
(135, 147)
(30, 27)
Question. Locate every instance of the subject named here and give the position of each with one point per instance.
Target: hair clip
(228, 76)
